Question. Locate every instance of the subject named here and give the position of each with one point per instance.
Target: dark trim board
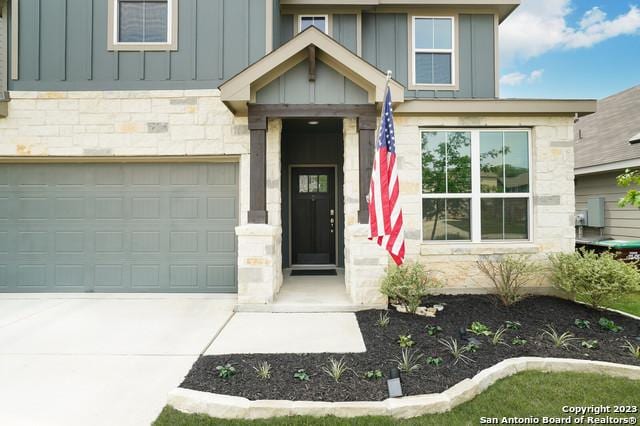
(258, 118)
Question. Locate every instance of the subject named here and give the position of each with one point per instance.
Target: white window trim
(452, 51)
(311, 15)
(476, 196)
(172, 31)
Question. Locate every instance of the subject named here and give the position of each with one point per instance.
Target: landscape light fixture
(393, 384)
(314, 123)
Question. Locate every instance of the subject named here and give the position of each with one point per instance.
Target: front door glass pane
(313, 183)
(303, 183)
(323, 183)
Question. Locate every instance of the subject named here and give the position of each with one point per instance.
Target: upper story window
(143, 25)
(321, 22)
(476, 185)
(433, 51)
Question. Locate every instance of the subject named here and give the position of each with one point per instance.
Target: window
(313, 183)
(475, 185)
(143, 25)
(433, 55)
(318, 21)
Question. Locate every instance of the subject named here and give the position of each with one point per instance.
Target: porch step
(304, 308)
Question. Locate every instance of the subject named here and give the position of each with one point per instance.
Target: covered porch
(307, 185)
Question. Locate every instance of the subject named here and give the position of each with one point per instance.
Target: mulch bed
(533, 313)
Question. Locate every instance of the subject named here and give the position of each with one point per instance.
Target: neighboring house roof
(604, 139)
(241, 89)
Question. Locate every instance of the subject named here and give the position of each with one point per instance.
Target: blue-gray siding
(345, 31)
(294, 87)
(118, 227)
(63, 46)
(385, 44)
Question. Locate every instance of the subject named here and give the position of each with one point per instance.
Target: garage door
(118, 227)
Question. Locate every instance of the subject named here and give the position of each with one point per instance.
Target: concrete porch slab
(289, 333)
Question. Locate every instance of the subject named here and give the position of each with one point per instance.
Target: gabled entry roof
(240, 90)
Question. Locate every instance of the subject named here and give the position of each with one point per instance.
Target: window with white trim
(433, 51)
(143, 21)
(321, 22)
(476, 185)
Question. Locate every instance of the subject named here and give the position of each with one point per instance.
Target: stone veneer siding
(180, 123)
(553, 197)
(104, 125)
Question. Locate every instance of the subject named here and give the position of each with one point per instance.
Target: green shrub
(595, 278)
(408, 284)
(509, 275)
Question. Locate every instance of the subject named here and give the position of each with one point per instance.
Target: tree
(626, 180)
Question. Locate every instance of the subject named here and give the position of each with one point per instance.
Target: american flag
(385, 214)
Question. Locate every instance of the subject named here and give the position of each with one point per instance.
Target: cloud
(518, 78)
(539, 26)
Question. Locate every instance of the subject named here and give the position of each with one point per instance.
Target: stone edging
(233, 407)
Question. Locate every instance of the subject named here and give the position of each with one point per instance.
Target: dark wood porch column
(367, 135)
(258, 168)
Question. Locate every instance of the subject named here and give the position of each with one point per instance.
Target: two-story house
(215, 145)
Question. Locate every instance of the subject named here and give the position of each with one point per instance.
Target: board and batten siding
(620, 223)
(344, 29)
(386, 44)
(329, 87)
(63, 46)
(3, 52)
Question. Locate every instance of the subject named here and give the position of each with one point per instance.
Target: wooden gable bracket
(311, 49)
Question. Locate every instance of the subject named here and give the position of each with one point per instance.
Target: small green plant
(559, 340)
(498, 337)
(580, 323)
(301, 375)
(518, 341)
(472, 347)
(596, 278)
(509, 275)
(607, 324)
(590, 344)
(408, 361)
(408, 284)
(405, 341)
(226, 371)
(373, 375)
(634, 350)
(479, 329)
(457, 352)
(263, 370)
(435, 361)
(433, 330)
(513, 325)
(383, 319)
(335, 368)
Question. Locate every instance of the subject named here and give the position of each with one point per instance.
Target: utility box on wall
(595, 212)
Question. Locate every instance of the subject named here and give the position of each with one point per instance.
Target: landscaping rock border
(233, 407)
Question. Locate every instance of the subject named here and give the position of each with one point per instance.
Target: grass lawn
(630, 304)
(522, 395)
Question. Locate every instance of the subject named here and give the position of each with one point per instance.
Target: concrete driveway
(99, 359)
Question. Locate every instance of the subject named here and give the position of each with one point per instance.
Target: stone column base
(365, 264)
(259, 263)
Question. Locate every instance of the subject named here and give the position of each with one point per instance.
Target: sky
(570, 49)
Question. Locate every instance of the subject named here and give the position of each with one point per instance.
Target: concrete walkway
(261, 333)
(99, 360)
